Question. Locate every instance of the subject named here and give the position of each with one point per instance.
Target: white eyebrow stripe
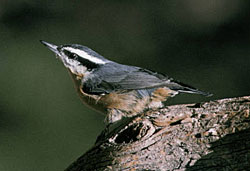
(85, 55)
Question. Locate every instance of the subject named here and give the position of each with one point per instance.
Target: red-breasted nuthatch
(114, 89)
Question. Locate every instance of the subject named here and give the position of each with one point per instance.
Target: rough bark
(204, 136)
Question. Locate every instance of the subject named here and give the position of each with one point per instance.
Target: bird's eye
(75, 56)
(71, 55)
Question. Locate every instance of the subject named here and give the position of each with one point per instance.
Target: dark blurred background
(44, 126)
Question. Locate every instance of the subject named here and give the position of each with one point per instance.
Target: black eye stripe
(85, 62)
(71, 55)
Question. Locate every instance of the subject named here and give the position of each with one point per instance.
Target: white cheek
(74, 66)
(79, 70)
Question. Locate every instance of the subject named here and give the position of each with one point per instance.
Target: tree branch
(204, 136)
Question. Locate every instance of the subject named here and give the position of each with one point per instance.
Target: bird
(116, 90)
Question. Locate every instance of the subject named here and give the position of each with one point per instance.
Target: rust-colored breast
(161, 94)
(126, 101)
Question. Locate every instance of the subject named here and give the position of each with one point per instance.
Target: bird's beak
(52, 47)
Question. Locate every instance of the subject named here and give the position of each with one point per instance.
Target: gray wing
(115, 77)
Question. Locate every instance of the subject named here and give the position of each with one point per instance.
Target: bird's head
(77, 58)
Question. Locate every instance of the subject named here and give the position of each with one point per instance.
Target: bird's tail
(183, 88)
(195, 91)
